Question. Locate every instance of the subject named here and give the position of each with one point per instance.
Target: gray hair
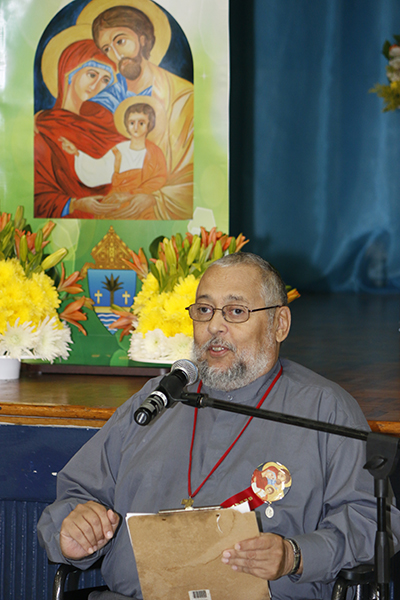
(273, 287)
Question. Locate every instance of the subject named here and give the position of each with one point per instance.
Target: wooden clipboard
(178, 554)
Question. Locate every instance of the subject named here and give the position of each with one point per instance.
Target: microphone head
(189, 369)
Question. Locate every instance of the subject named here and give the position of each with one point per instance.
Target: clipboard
(178, 554)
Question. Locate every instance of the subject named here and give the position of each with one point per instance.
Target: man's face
(231, 355)
(124, 47)
(138, 125)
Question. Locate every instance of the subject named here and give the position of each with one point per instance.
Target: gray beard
(245, 369)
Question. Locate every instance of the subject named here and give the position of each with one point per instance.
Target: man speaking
(314, 500)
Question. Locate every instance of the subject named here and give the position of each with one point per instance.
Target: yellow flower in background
(28, 299)
(43, 295)
(149, 290)
(187, 287)
(165, 311)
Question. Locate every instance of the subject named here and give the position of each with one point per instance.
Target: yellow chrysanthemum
(10, 270)
(28, 299)
(149, 290)
(187, 287)
(165, 311)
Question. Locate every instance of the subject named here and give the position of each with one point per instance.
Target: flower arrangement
(30, 324)
(391, 92)
(159, 326)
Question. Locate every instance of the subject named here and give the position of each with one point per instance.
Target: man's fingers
(81, 533)
(100, 521)
(114, 518)
(89, 527)
(263, 556)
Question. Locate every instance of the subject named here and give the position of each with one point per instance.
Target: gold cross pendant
(187, 502)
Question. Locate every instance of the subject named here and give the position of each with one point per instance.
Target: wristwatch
(297, 555)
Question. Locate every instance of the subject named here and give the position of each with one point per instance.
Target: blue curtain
(315, 164)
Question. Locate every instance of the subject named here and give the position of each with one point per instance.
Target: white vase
(9, 368)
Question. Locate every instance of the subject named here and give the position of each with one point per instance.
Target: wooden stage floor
(351, 339)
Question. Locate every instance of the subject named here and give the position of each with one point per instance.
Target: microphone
(183, 372)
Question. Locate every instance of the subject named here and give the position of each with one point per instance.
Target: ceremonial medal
(270, 482)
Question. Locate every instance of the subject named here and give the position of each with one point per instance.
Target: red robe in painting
(93, 131)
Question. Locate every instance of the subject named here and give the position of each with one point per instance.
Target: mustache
(216, 341)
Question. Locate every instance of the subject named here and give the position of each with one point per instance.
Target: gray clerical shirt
(329, 508)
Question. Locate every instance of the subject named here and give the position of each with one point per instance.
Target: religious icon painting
(271, 481)
(113, 114)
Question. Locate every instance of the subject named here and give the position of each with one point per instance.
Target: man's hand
(87, 528)
(268, 557)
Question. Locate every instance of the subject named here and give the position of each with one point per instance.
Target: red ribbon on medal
(241, 497)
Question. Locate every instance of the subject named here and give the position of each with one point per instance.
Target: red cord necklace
(188, 502)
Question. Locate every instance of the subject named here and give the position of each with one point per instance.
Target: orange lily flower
(292, 295)
(73, 314)
(161, 256)
(4, 218)
(127, 321)
(212, 236)
(70, 284)
(47, 229)
(225, 241)
(30, 240)
(89, 303)
(139, 263)
(173, 240)
(241, 241)
(204, 236)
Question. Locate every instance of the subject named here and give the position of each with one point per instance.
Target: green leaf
(34, 265)
(218, 251)
(154, 271)
(179, 241)
(19, 220)
(153, 248)
(232, 246)
(39, 240)
(23, 249)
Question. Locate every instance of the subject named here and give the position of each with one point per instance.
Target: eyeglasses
(232, 313)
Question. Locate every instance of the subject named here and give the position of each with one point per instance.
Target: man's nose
(118, 56)
(217, 323)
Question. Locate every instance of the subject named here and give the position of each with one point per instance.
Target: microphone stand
(383, 452)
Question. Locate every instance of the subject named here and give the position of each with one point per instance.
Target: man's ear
(283, 319)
